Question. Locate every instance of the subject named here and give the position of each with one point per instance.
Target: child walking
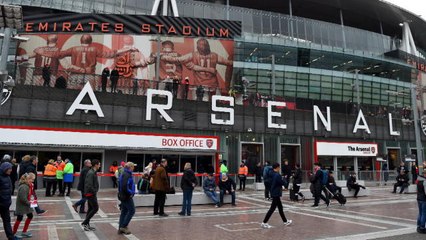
(23, 204)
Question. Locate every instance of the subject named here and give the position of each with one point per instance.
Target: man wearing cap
(209, 187)
(227, 185)
(160, 185)
(6, 197)
(126, 191)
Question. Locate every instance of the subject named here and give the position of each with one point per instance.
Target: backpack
(267, 175)
(324, 178)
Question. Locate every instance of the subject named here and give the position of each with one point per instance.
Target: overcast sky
(415, 6)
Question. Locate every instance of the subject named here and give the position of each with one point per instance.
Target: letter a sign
(86, 107)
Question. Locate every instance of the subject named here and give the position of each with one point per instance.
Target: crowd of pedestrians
(59, 174)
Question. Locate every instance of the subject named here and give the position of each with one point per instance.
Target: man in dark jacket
(276, 194)
(104, 76)
(126, 190)
(91, 188)
(316, 179)
(352, 184)
(80, 187)
(332, 186)
(421, 201)
(115, 75)
(227, 185)
(6, 197)
(14, 174)
(286, 174)
(267, 179)
(297, 181)
(401, 181)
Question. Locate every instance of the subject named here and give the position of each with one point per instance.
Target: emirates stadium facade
(329, 81)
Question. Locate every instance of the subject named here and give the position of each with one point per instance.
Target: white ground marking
(376, 215)
(102, 213)
(75, 215)
(339, 220)
(130, 236)
(381, 234)
(224, 226)
(89, 234)
(52, 233)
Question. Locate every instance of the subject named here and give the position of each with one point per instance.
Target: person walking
(189, 181)
(276, 194)
(49, 176)
(160, 185)
(60, 175)
(24, 204)
(297, 181)
(29, 165)
(91, 188)
(112, 169)
(317, 181)
(242, 176)
(68, 175)
(126, 190)
(6, 198)
(421, 202)
(80, 187)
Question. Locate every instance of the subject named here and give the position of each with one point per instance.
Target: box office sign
(104, 139)
(346, 149)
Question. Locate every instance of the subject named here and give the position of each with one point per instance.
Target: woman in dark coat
(189, 181)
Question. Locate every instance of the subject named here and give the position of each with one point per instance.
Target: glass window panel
(95, 155)
(44, 157)
(205, 164)
(75, 158)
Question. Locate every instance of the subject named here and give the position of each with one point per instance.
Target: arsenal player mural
(206, 62)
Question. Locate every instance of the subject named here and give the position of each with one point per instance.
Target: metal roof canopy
(363, 14)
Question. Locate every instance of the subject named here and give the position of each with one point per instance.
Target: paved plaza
(383, 215)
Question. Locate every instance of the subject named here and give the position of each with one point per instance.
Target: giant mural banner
(80, 48)
(83, 57)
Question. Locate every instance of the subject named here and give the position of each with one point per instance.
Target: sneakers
(288, 223)
(87, 227)
(42, 212)
(303, 199)
(265, 225)
(26, 234)
(75, 208)
(124, 231)
(328, 203)
(164, 215)
(217, 205)
(181, 214)
(315, 206)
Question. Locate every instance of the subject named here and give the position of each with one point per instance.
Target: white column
(356, 166)
(335, 166)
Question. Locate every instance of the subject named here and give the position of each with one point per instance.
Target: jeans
(127, 212)
(421, 219)
(186, 205)
(276, 202)
(93, 208)
(81, 202)
(212, 195)
(222, 192)
(5, 216)
(159, 201)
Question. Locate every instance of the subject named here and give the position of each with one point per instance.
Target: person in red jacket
(242, 175)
